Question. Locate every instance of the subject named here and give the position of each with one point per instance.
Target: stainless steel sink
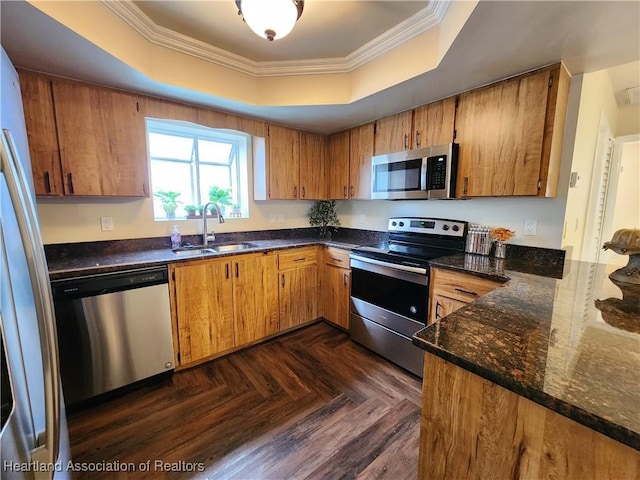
(192, 252)
(232, 247)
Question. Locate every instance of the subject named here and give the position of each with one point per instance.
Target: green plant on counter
(169, 201)
(190, 209)
(323, 214)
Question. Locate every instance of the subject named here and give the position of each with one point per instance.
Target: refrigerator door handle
(48, 443)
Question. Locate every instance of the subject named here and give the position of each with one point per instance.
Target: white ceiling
(500, 39)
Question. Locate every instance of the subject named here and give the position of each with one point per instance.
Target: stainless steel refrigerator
(34, 442)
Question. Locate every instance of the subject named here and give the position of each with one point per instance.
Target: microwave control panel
(437, 172)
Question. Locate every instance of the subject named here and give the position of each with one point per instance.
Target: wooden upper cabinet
(433, 124)
(283, 163)
(312, 165)
(393, 133)
(37, 99)
(360, 153)
(165, 110)
(102, 140)
(510, 135)
(337, 165)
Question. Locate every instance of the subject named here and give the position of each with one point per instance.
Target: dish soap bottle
(176, 238)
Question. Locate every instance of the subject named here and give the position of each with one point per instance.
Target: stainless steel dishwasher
(113, 330)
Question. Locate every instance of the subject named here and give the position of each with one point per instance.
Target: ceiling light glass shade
(271, 19)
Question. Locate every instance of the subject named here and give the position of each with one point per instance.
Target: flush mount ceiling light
(270, 19)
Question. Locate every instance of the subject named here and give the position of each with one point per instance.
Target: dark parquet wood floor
(308, 405)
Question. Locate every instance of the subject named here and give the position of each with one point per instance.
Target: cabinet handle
(437, 312)
(301, 259)
(227, 271)
(237, 270)
(295, 192)
(344, 276)
(283, 280)
(344, 191)
(465, 185)
(47, 182)
(144, 190)
(335, 259)
(406, 141)
(417, 138)
(351, 193)
(468, 292)
(70, 182)
(304, 193)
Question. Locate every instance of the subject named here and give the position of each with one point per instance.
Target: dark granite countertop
(91, 258)
(542, 337)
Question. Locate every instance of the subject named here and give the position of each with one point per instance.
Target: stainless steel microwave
(415, 174)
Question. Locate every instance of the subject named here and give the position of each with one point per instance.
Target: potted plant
(323, 214)
(221, 196)
(169, 202)
(191, 210)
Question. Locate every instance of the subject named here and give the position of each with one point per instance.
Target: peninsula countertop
(544, 339)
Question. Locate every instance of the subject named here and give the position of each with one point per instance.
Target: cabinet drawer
(297, 257)
(337, 257)
(460, 286)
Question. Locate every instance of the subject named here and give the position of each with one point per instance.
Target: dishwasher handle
(89, 286)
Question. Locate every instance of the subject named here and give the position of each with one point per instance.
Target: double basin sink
(209, 250)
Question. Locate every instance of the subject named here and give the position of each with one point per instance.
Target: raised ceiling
(331, 29)
(492, 40)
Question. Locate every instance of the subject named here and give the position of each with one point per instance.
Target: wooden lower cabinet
(472, 428)
(255, 297)
(298, 286)
(222, 304)
(450, 291)
(203, 309)
(335, 287)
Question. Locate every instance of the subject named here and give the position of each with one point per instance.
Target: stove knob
(402, 224)
(413, 309)
(445, 227)
(455, 228)
(393, 224)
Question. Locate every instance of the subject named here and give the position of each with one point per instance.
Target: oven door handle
(404, 272)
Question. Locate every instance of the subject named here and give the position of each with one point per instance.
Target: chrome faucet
(206, 237)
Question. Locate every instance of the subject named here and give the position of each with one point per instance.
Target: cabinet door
(393, 134)
(443, 306)
(312, 154)
(37, 100)
(298, 296)
(361, 151)
(102, 141)
(335, 295)
(204, 309)
(165, 110)
(255, 297)
(283, 163)
(433, 124)
(338, 166)
(500, 130)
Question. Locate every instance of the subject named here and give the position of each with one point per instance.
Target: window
(192, 164)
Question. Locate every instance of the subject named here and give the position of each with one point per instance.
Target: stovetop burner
(415, 241)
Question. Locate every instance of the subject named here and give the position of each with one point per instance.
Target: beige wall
(596, 99)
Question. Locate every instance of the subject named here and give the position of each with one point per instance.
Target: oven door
(399, 176)
(395, 296)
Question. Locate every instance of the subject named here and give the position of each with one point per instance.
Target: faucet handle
(211, 237)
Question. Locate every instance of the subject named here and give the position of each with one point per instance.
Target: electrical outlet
(106, 224)
(362, 218)
(272, 218)
(530, 227)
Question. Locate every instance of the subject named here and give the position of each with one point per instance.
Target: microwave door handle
(423, 173)
(22, 201)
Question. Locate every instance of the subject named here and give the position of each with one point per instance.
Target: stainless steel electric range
(390, 286)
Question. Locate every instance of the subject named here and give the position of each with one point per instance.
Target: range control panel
(428, 226)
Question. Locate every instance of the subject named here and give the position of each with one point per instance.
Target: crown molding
(418, 23)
